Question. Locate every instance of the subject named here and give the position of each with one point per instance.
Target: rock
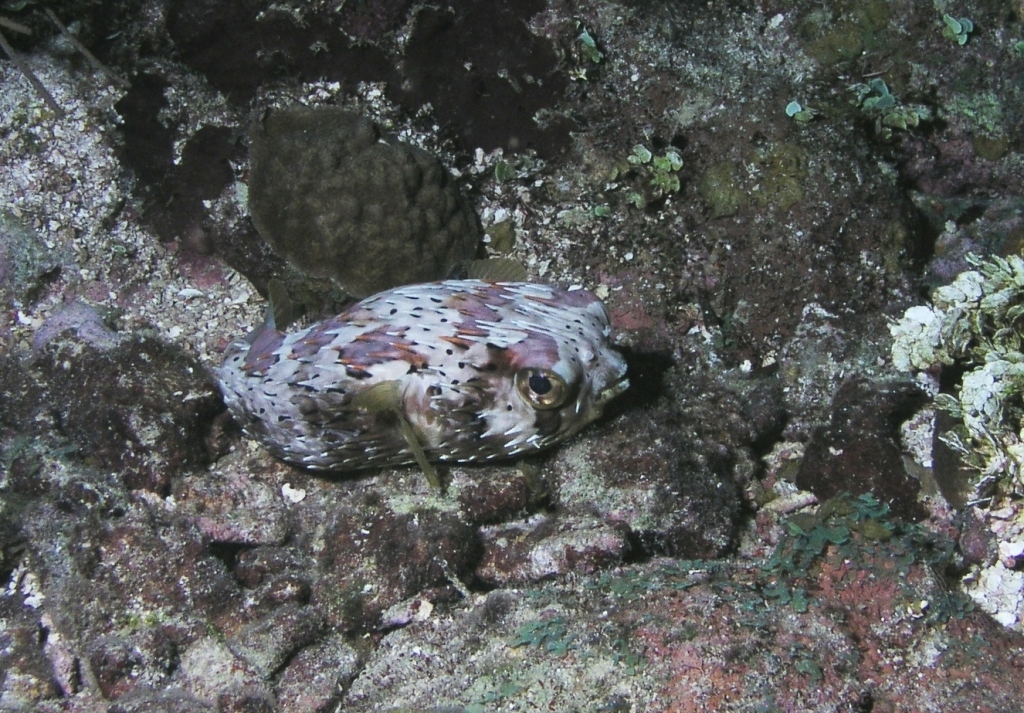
(546, 547)
(977, 542)
(25, 265)
(496, 499)
(166, 701)
(114, 665)
(144, 561)
(27, 675)
(84, 321)
(314, 681)
(267, 644)
(233, 504)
(256, 566)
(209, 670)
(140, 408)
(655, 633)
(120, 664)
(246, 699)
(657, 478)
(368, 565)
(858, 451)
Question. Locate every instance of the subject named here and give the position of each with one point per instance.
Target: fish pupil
(539, 384)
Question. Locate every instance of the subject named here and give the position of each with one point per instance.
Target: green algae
(851, 534)
(649, 177)
(981, 111)
(550, 635)
(957, 30)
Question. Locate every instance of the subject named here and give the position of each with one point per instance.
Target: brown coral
(337, 202)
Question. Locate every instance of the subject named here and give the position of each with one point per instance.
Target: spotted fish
(461, 370)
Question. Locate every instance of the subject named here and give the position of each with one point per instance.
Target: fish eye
(542, 388)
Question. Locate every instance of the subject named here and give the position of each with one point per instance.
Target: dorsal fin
(496, 269)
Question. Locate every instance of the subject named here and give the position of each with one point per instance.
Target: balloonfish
(454, 371)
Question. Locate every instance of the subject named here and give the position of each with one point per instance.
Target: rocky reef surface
(757, 191)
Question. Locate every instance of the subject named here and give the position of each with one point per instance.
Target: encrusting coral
(975, 323)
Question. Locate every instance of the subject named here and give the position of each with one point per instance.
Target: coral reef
(974, 323)
(973, 330)
(694, 550)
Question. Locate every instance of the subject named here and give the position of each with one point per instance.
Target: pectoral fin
(381, 397)
(278, 315)
(417, 451)
(386, 397)
(280, 303)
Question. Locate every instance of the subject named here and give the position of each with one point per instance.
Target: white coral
(965, 291)
(975, 321)
(918, 340)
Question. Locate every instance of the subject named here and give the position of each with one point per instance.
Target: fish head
(552, 367)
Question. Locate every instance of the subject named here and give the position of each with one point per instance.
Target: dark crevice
(228, 553)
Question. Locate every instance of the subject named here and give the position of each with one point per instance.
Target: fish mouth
(612, 390)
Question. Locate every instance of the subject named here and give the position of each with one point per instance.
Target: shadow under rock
(646, 373)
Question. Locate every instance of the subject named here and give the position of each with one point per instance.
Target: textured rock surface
(661, 638)
(139, 407)
(25, 264)
(858, 452)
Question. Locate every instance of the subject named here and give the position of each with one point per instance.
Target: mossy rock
(720, 188)
(784, 170)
